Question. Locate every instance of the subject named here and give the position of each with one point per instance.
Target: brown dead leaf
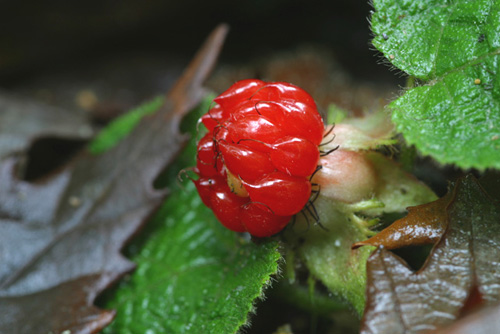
(468, 255)
(60, 240)
(22, 121)
(484, 321)
(424, 224)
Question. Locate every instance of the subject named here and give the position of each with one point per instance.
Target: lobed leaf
(453, 119)
(22, 121)
(60, 240)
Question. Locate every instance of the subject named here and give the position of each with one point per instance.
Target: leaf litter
(60, 239)
(465, 259)
(23, 121)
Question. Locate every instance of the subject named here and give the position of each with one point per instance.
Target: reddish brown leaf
(474, 300)
(60, 241)
(424, 224)
(402, 301)
(28, 313)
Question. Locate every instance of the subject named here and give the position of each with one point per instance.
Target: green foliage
(330, 259)
(453, 48)
(122, 125)
(193, 275)
(328, 254)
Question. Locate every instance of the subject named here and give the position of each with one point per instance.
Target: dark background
(43, 37)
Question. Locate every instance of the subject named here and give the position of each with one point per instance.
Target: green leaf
(193, 275)
(453, 119)
(453, 47)
(430, 38)
(328, 255)
(122, 125)
(327, 252)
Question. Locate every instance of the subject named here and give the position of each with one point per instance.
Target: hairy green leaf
(193, 275)
(453, 47)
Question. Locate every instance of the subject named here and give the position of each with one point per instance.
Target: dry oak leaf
(400, 300)
(22, 121)
(60, 240)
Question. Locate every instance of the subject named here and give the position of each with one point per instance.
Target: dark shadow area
(47, 155)
(40, 38)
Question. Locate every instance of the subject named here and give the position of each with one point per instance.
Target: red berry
(295, 156)
(283, 91)
(254, 131)
(285, 195)
(246, 108)
(226, 207)
(220, 134)
(249, 163)
(205, 187)
(260, 221)
(207, 161)
(257, 157)
(298, 120)
(238, 92)
(213, 117)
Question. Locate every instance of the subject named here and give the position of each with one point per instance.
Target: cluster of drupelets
(256, 160)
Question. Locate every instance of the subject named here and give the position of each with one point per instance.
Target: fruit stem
(365, 205)
(364, 225)
(290, 265)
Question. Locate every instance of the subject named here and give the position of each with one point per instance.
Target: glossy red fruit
(283, 92)
(261, 221)
(246, 108)
(238, 93)
(285, 195)
(255, 162)
(295, 156)
(208, 163)
(206, 186)
(227, 207)
(250, 163)
(215, 116)
(254, 131)
(298, 120)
